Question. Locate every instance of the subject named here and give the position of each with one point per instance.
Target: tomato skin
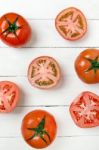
(8, 103)
(31, 120)
(61, 14)
(82, 64)
(87, 104)
(23, 34)
(47, 58)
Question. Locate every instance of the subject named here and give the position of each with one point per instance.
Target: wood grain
(46, 41)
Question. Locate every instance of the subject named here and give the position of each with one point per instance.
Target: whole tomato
(39, 128)
(14, 30)
(87, 66)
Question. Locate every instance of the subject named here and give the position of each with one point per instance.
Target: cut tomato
(85, 110)
(9, 96)
(44, 72)
(71, 24)
(39, 128)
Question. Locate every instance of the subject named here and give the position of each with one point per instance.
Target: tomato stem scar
(12, 27)
(94, 64)
(40, 131)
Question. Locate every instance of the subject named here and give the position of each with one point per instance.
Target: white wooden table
(46, 41)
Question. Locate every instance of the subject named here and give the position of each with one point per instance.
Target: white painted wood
(48, 8)
(63, 94)
(10, 124)
(15, 62)
(45, 35)
(70, 143)
(46, 41)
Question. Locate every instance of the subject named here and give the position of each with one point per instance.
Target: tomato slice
(9, 96)
(85, 110)
(44, 72)
(71, 24)
(39, 128)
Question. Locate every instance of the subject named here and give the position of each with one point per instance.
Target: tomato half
(85, 110)
(39, 128)
(14, 30)
(87, 66)
(71, 24)
(9, 96)
(44, 72)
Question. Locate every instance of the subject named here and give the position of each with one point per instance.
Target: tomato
(71, 24)
(44, 72)
(85, 110)
(39, 128)
(14, 30)
(87, 66)
(9, 96)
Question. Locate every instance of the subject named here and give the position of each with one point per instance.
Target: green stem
(40, 131)
(94, 64)
(12, 27)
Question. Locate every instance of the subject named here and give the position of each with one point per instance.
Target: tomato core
(94, 64)
(40, 131)
(12, 27)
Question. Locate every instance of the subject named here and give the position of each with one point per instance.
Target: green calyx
(39, 131)
(94, 64)
(12, 27)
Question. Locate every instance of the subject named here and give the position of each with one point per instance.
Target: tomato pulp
(44, 72)
(9, 96)
(84, 110)
(71, 24)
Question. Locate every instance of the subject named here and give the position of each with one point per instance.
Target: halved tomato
(14, 30)
(39, 128)
(44, 72)
(9, 96)
(71, 24)
(84, 110)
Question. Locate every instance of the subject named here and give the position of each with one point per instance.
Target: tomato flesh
(9, 96)
(14, 30)
(84, 110)
(39, 128)
(71, 24)
(44, 72)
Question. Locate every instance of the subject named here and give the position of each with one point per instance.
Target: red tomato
(84, 110)
(71, 24)
(14, 30)
(9, 96)
(44, 72)
(87, 66)
(39, 128)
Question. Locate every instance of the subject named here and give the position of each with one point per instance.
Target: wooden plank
(10, 124)
(18, 60)
(15, 62)
(48, 9)
(45, 35)
(69, 143)
(46, 41)
(63, 94)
